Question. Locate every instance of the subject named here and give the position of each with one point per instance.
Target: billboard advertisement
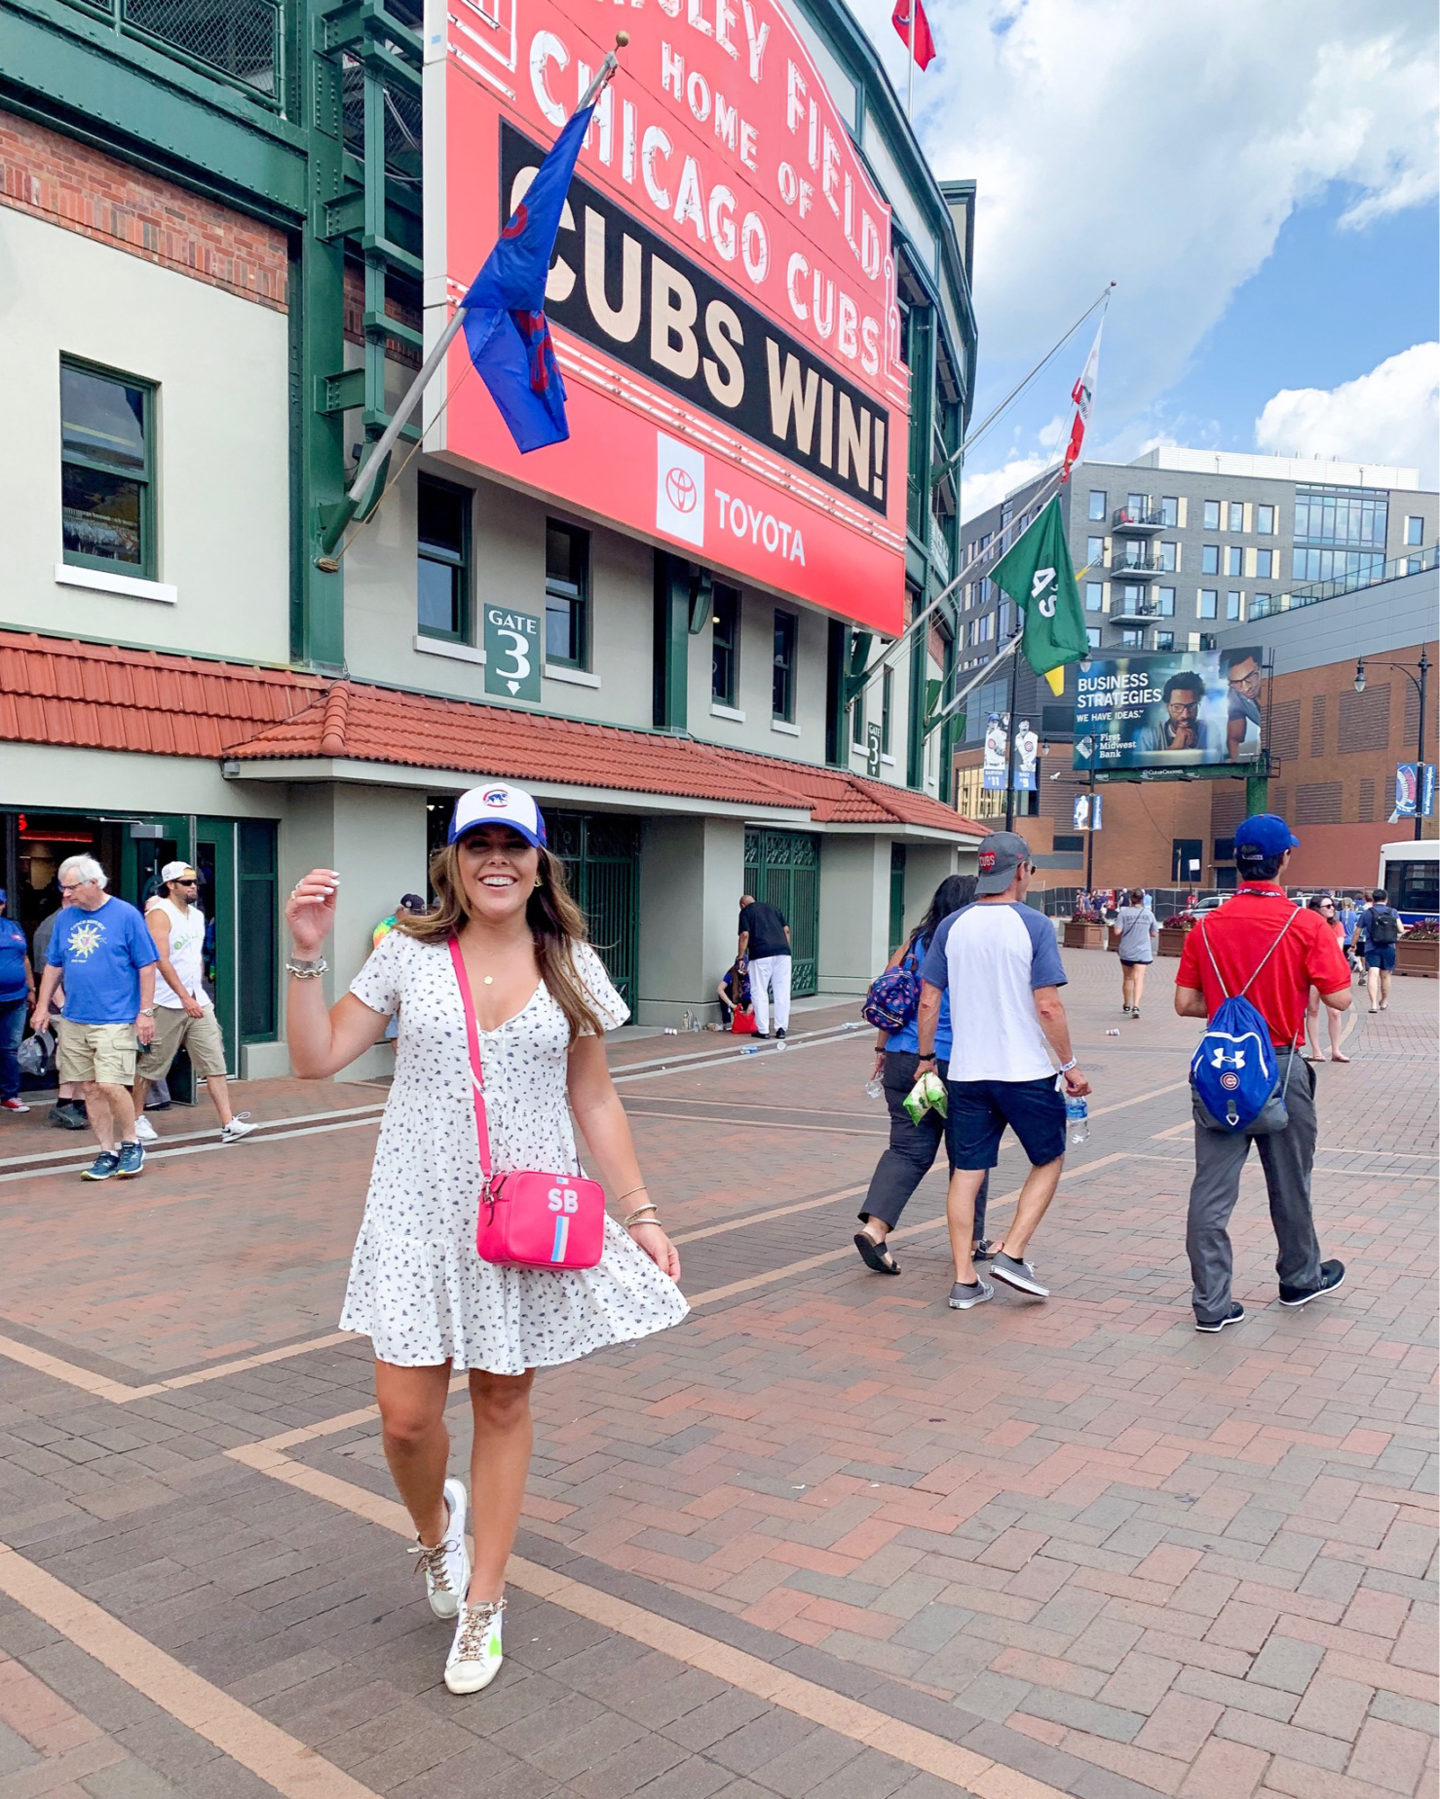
(722, 296)
(1169, 710)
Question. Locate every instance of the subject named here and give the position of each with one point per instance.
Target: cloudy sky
(1260, 181)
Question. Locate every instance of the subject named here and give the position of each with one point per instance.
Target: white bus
(1410, 875)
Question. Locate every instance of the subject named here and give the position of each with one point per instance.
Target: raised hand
(310, 909)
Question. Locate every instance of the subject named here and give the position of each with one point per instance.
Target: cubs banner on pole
(722, 298)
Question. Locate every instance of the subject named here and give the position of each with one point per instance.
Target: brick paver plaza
(828, 1536)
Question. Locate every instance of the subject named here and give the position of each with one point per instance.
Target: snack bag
(928, 1091)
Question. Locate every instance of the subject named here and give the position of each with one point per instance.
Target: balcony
(1148, 517)
(1136, 568)
(1136, 612)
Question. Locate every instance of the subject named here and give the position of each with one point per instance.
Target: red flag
(1083, 394)
(923, 46)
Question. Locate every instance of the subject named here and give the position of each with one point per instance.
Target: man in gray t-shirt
(1137, 931)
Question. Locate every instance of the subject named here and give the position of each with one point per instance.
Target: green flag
(1039, 576)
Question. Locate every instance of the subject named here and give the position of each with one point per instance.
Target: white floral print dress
(418, 1288)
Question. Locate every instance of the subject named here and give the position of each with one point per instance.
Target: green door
(601, 854)
(142, 857)
(897, 895)
(215, 864)
(783, 869)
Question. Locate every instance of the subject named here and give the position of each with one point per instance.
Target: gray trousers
(1287, 1157)
(913, 1148)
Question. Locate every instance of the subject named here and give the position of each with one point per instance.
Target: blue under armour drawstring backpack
(1235, 1072)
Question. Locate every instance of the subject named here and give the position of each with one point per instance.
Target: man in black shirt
(765, 943)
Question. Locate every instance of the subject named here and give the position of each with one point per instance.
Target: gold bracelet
(628, 1191)
(636, 1217)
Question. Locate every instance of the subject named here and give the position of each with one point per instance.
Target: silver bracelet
(307, 971)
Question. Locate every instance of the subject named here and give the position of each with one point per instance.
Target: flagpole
(374, 462)
(910, 84)
(1010, 747)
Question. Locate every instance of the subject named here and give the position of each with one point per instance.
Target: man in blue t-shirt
(106, 957)
(17, 995)
(998, 962)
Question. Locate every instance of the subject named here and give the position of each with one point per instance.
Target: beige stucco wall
(221, 364)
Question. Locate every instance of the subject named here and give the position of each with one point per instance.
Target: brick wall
(79, 189)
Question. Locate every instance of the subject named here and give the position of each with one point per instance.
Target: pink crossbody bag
(527, 1220)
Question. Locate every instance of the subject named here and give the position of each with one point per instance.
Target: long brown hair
(556, 924)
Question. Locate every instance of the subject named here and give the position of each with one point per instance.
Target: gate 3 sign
(722, 295)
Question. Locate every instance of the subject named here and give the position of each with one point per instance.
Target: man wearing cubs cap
(183, 1011)
(998, 962)
(1241, 948)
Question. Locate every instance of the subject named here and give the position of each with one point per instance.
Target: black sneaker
(68, 1115)
(779, 1035)
(1235, 1315)
(1332, 1275)
(983, 1251)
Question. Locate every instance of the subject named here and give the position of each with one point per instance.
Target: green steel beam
(109, 89)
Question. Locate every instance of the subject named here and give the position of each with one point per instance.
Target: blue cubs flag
(505, 324)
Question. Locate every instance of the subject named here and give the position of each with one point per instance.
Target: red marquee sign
(722, 296)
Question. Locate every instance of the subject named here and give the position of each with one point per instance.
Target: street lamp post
(1423, 667)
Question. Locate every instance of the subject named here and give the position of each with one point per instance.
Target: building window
(1265, 564)
(1207, 640)
(1234, 559)
(1413, 564)
(1137, 504)
(1209, 598)
(724, 644)
(1170, 512)
(887, 700)
(1265, 521)
(1002, 619)
(107, 445)
(442, 559)
(1133, 637)
(1165, 598)
(1092, 636)
(1211, 516)
(1170, 557)
(567, 595)
(1131, 595)
(1164, 640)
(1097, 503)
(1095, 551)
(1209, 559)
(782, 684)
(1237, 516)
(1232, 605)
(1260, 605)
(1094, 596)
(1414, 530)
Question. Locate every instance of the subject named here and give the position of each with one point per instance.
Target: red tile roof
(54, 690)
(57, 691)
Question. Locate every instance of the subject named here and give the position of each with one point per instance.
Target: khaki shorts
(97, 1052)
(201, 1037)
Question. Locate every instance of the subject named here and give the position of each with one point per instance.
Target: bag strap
(1204, 938)
(477, 1073)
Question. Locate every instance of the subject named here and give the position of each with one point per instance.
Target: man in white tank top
(183, 1011)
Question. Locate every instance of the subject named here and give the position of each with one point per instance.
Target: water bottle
(875, 1088)
(1077, 1121)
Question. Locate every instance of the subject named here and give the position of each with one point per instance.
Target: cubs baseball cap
(1267, 834)
(499, 804)
(178, 871)
(1001, 853)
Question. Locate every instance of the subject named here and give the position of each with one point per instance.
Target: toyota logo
(680, 490)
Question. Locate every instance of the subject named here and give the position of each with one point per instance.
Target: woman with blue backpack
(891, 1006)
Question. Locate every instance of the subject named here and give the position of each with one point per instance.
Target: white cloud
(1163, 146)
(1391, 415)
(978, 491)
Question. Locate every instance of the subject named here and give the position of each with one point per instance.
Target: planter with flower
(1418, 951)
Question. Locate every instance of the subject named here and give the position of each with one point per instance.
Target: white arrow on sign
(514, 686)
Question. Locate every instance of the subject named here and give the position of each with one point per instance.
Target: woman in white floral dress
(418, 1288)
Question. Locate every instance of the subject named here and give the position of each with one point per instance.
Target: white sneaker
(475, 1655)
(446, 1567)
(236, 1129)
(145, 1132)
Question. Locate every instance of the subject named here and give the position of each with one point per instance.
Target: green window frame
(107, 477)
(724, 645)
(442, 560)
(782, 684)
(887, 700)
(567, 595)
(259, 929)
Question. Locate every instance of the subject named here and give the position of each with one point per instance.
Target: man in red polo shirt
(1240, 935)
